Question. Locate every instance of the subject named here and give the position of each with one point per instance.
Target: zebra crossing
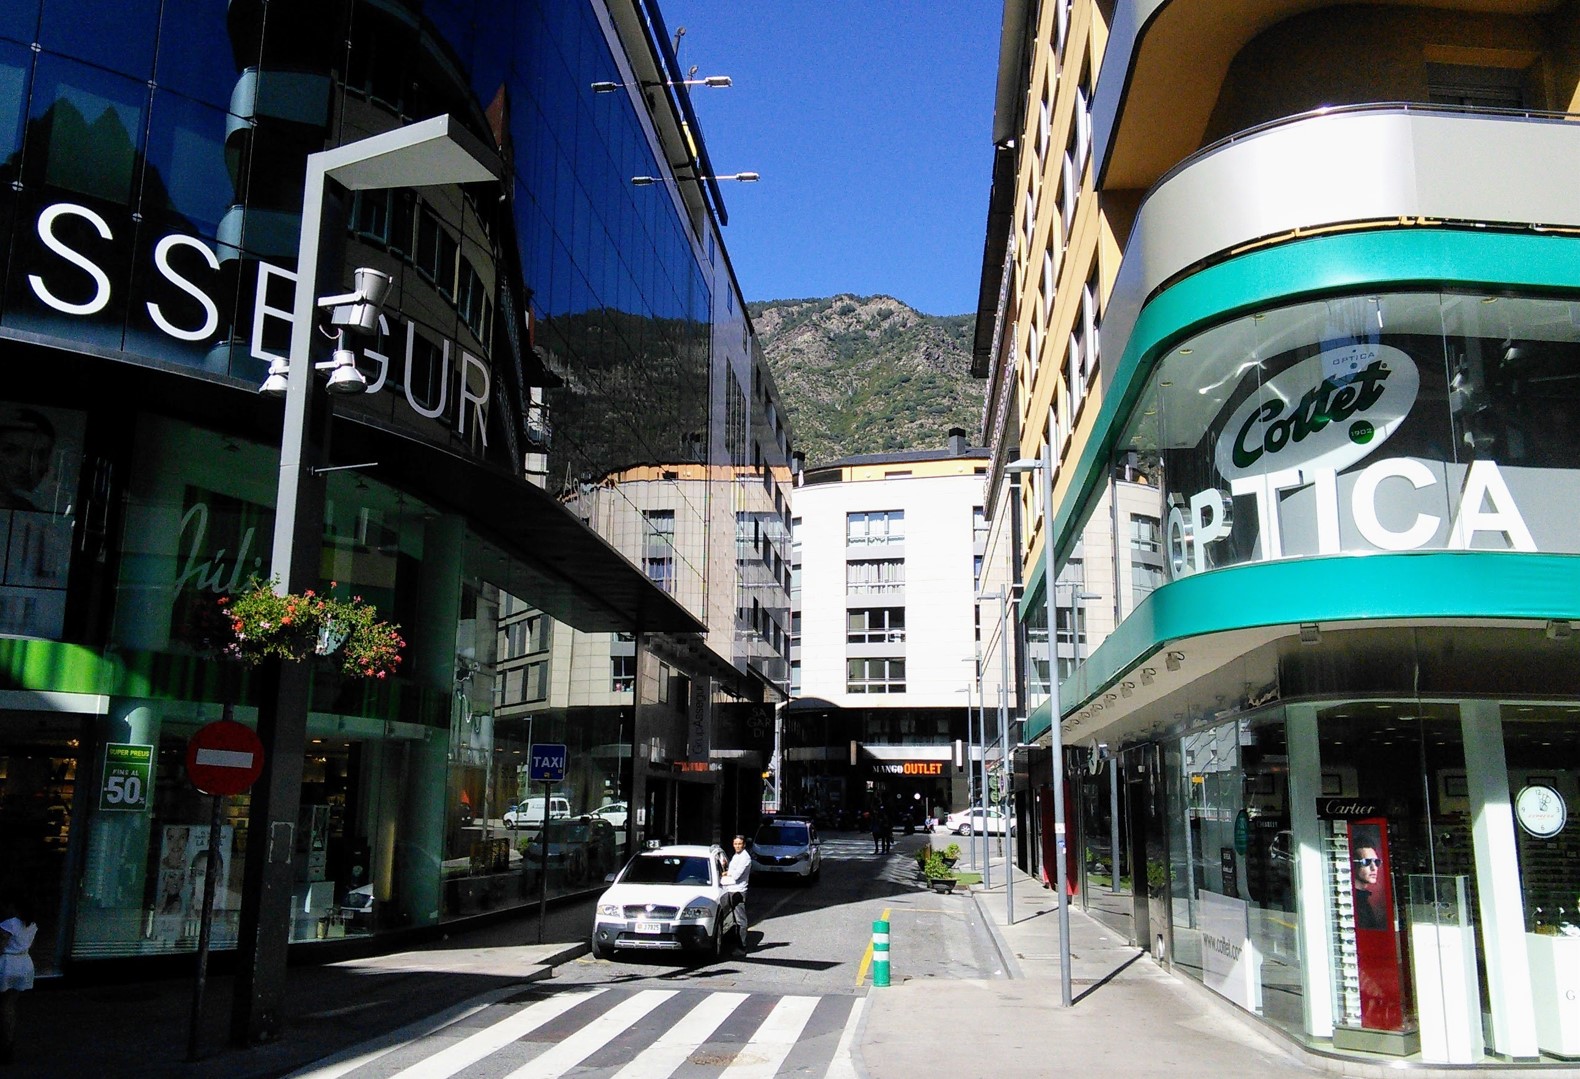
(613, 1032)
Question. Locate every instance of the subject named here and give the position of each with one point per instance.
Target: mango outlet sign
(79, 286)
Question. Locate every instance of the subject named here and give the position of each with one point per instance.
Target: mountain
(867, 374)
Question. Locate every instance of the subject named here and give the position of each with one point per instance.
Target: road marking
(843, 1066)
(866, 957)
(469, 1051)
(681, 1040)
(760, 1058)
(592, 1037)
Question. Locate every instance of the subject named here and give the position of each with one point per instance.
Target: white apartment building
(887, 562)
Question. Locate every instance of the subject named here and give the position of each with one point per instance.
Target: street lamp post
(434, 151)
(1055, 712)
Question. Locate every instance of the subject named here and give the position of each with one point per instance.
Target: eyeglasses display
(1346, 973)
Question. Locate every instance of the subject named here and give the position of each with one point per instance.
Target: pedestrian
(876, 820)
(886, 826)
(736, 876)
(16, 968)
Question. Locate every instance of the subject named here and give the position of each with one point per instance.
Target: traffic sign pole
(223, 758)
(547, 765)
(543, 865)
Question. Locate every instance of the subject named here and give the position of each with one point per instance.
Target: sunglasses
(1368, 861)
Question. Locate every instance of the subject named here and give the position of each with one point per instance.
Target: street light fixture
(716, 82)
(434, 151)
(1055, 712)
(739, 177)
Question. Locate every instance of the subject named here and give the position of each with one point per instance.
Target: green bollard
(880, 953)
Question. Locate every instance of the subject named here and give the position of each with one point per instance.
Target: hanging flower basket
(265, 624)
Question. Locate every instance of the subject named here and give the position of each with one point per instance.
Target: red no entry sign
(224, 758)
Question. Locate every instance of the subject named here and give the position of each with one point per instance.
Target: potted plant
(264, 623)
(940, 876)
(951, 855)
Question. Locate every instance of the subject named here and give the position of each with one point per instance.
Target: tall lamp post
(434, 151)
(1055, 713)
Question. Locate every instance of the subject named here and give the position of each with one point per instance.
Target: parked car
(665, 899)
(583, 848)
(529, 814)
(783, 846)
(974, 821)
(613, 812)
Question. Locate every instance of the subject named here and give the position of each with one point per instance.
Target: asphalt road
(815, 939)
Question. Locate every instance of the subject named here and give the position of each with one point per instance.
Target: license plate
(648, 927)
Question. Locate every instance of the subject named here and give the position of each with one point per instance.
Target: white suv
(666, 899)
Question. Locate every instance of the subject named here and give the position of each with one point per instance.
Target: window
(874, 576)
(526, 636)
(875, 676)
(875, 625)
(979, 523)
(660, 569)
(622, 674)
(875, 527)
(1146, 533)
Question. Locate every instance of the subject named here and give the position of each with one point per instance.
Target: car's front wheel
(601, 950)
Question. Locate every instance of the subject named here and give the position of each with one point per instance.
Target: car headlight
(804, 856)
(609, 910)
(697, 912)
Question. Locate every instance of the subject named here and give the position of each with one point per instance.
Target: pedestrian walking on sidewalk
(16, 968)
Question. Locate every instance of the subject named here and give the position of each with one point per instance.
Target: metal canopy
(438, 150)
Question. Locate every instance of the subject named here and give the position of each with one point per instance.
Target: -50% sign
(128, 775)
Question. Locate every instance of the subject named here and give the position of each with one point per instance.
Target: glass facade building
(1313, 440)
(566, 393)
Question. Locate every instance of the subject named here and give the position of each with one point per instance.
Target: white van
(529, 814)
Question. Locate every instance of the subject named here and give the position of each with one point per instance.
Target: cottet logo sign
(1326, 412)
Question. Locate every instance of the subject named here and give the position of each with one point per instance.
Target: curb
(1006, 956)
(564, 955)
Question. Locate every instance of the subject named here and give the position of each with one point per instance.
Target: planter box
(943, 885)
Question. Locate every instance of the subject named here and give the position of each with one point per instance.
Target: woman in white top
(16, 969)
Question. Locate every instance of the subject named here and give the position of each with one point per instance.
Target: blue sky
(871, 124)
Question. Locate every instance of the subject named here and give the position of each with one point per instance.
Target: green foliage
(867, 374)
(952, 851)
(935, 868)
(265, 624)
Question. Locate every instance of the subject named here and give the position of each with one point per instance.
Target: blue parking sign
(548, 763)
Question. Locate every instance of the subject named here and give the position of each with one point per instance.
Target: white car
(529, 814)
(614, 812)
(788, 847)
(666, 899)
(975, 822)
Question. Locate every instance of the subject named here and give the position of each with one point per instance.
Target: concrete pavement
(1129, 1016)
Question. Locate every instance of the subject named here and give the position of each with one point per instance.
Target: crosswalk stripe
(586, 1041)
(843, 1066)
(760, 1058)
(491, 1039)
(681, 1040)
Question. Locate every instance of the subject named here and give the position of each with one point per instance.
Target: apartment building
(1285, 291)
(889, 557)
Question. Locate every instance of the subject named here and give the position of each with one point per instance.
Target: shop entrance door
(1149, 853)
(38, 804)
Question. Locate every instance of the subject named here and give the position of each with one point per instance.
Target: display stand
(1443, 958)
(1555, 987)
(1346, 967)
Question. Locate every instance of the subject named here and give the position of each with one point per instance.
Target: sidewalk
(1130, 1016)
(142, 1029)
